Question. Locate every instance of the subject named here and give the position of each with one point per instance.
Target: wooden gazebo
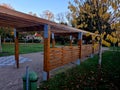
(24, 22)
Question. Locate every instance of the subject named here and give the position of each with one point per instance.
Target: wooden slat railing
(64, 55)
(86, 50)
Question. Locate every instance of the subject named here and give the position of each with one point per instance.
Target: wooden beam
(16, 48)
(93, 42)
(70, 40)
(31, 28)
(0, 44)
(17, 22)
(4, 24)
(17, 18)
(46, 48)
(80, 44)
(53, 40)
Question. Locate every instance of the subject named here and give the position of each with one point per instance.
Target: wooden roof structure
(22, 22)
(26, 22)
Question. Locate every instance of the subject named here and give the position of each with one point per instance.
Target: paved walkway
(105, 48)
(11, 78)
(10, 60)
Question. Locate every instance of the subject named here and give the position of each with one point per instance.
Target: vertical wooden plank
(80, 44)
(62, 59)
(93, 43)
(46, 49)
(16, 48)
(70, 40)
(0, 44)
(53, 40)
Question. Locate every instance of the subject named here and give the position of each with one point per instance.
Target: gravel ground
(11, 77)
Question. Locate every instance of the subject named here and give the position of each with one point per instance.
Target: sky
(38, 6)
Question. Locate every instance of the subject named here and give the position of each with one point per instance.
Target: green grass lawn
(114, 48)
(84, 76)
(8, 49)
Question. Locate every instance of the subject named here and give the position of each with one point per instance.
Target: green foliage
(96, 15)
(92, 15)
(85, 76)
(6, 32)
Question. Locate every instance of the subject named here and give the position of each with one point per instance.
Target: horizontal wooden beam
(3, 24)
(31, 28)
(13, 24)
(18, 22)
(4, 15)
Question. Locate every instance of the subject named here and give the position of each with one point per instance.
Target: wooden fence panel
(55, 58)
(64, 55)
(75, 53)
(67, 54)
(86, 50)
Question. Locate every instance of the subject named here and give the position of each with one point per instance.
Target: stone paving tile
(10, 60)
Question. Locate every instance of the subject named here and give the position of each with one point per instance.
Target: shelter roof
(26, 22)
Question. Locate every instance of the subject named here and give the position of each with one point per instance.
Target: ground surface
(11, 78)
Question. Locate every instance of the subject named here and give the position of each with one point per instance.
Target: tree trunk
(100, 53)
(100, 59)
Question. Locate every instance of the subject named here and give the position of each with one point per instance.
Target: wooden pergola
(25, 22)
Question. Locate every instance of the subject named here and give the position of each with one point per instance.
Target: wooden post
(16, 48)
(0, 44)
(70, 40)
(53, 40)
(93, 42)
(80, 46)
(46, 52)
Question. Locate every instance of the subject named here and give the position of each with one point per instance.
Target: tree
(68, 17)
(84, 15)
(47, 15)
(60, 17)
(95, 15)
(6, 5)
(6, 32)
(33, 14)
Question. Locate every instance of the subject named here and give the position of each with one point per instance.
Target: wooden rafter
(31, 28)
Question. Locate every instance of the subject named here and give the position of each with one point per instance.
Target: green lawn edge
(24, 48)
